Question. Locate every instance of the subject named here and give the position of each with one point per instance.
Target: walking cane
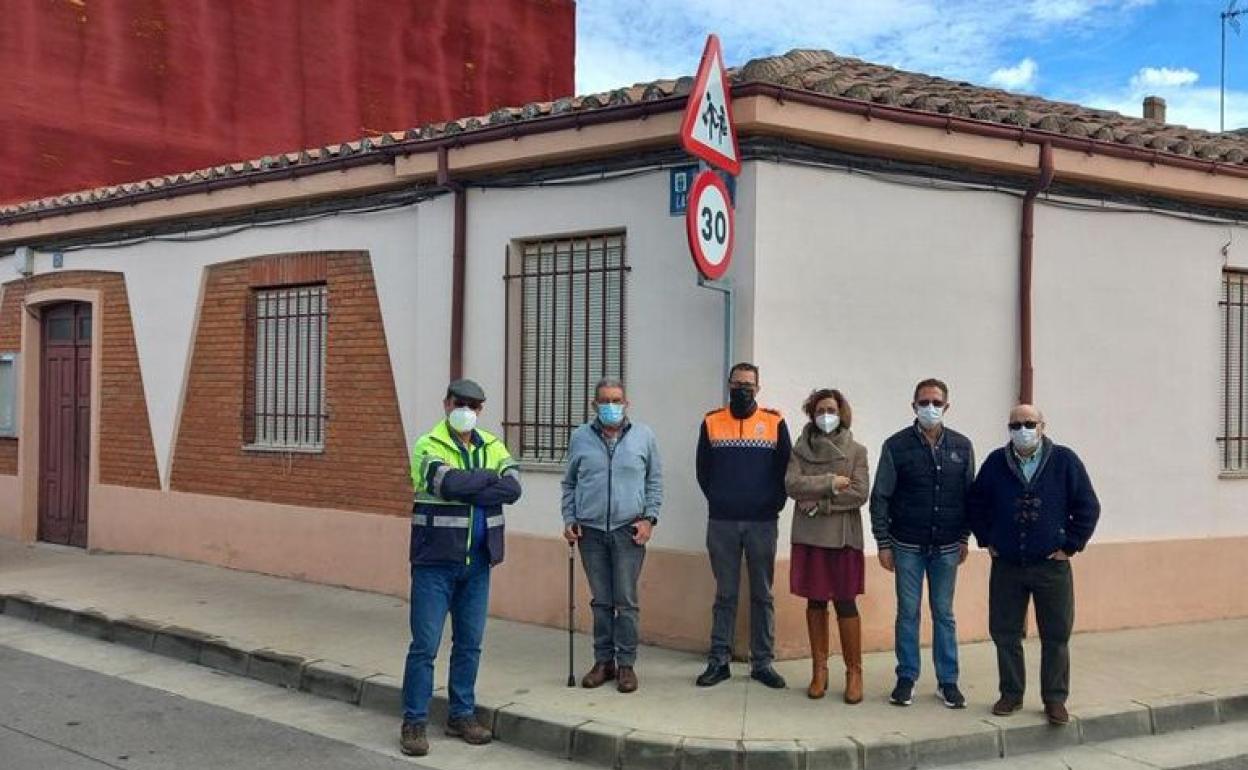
(571, 607)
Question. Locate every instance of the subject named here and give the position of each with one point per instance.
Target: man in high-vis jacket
(463, 477)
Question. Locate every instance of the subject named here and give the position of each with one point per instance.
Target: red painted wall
(96, 92)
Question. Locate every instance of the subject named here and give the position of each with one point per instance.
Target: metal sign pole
(725, 288)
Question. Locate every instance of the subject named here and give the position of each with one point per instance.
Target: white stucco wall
(1128, 354)
(163, 280)
(869, 287)
(674, 364)
(842, 280)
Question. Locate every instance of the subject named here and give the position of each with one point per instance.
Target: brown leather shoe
(469, 730)
(626, 679)
(1057, 713)
(1006, 705)
(600, 674)
(412, 740)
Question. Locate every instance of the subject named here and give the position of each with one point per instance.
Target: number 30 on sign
(709, 225)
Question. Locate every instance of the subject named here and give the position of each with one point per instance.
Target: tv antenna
(1229, 16)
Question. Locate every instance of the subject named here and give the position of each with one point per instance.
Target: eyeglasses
(462, 403)
(1028, 424)
(742, 386)
(936, 402)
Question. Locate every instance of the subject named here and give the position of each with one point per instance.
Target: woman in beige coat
(827, 476)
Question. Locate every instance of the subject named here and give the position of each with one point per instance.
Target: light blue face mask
(611, 415)
(929, 416)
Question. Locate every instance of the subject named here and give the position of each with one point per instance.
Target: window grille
(287, 409)
(566, 313)
(1232, 451)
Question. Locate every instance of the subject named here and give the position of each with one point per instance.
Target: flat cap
(465, 389)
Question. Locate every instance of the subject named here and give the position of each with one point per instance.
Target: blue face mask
(611, 415)
(930, 416)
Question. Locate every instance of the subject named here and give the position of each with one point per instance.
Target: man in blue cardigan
(1033, 507)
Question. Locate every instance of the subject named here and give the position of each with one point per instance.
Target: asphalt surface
(55, 716)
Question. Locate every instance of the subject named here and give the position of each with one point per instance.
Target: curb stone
(1182, 712)
(831, 754)
(623, 747)
(890, 751)
(1111, 722)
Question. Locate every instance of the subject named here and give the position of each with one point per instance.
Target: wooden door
(65, 423)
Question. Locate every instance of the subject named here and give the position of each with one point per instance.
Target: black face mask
(741, 402)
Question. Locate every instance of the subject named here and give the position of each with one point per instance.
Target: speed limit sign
(709, 225)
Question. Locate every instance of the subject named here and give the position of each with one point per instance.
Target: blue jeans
(464, 592)
(612, 563)
(942, 574)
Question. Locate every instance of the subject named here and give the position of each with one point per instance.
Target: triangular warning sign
(708, 131)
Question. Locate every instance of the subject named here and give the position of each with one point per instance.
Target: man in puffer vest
(918, 517)
(463, 477)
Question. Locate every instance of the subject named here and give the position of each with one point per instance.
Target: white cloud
(620, 42)
(1020, 77)
(1186, 103)
(1163, 77)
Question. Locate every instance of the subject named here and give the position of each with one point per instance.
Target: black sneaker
(769, 677)
(903, 693)
(714, 674)
(951, 696)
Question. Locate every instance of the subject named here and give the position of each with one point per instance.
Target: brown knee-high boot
(851, 650)
(817, 626)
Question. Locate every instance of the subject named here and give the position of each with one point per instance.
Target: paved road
(59, 717)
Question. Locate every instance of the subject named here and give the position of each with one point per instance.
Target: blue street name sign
(680, 180)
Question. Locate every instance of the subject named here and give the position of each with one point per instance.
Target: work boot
(851, 651)
(412, 739)
(626, 681)
(817, 628)
(469, 730)
(599, 675)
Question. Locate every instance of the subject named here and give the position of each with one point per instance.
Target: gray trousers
(726, 542)
(612, 563)
(1051, 586)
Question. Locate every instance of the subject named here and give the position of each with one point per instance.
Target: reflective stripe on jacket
(450, 490)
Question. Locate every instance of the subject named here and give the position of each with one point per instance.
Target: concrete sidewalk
(350, 645)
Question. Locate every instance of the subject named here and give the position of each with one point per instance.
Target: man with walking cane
(612, 492)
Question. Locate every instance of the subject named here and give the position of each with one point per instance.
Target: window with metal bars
(1233, 441)
(286, 395)
(567, 328)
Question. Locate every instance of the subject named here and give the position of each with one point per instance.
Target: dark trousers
(1052, 587)
(726, 543)
(612, 563)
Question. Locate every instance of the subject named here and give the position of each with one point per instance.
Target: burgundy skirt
(826, 574)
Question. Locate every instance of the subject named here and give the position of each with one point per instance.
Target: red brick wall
(364, 464)
(97, 92)
(127, 457)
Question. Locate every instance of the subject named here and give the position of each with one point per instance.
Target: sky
(1101, 53)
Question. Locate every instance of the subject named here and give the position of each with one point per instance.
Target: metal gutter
(1027, 233)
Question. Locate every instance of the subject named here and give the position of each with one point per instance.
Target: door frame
(30, 375)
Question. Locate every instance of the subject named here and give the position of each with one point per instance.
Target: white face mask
(827, 422)
(929, 416)
(1025, 439)
(462, 419)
